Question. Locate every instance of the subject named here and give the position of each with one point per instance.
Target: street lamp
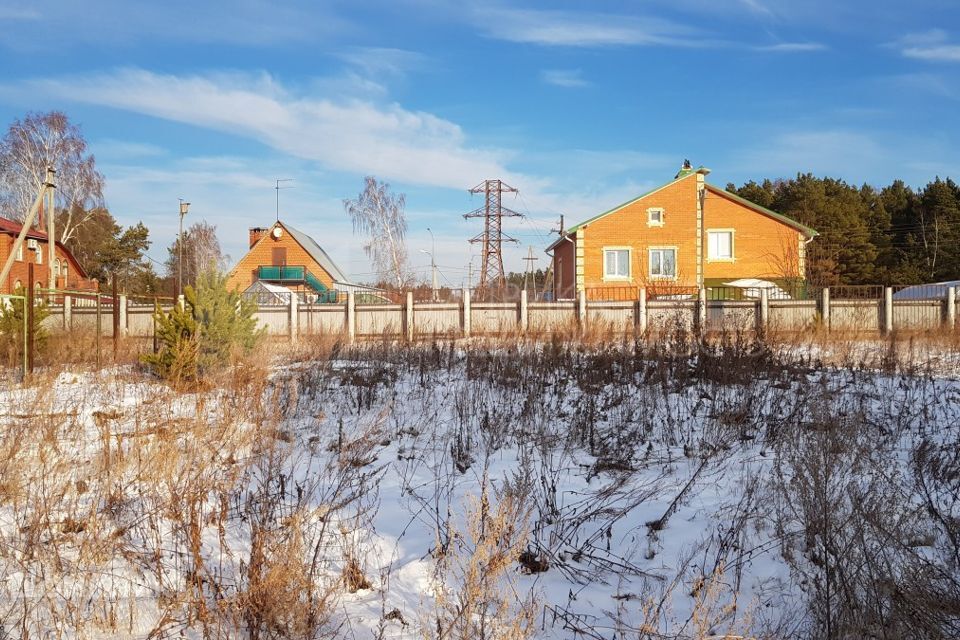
(183, 211)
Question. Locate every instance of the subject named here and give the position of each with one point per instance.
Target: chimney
(256, 233)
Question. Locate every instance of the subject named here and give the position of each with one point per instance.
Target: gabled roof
(316, 252)
(683, 175)
(11, 227)
(805, 230)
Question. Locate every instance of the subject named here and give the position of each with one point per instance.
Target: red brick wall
(40, 271)
(764, 247)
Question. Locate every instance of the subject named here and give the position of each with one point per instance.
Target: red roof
(12, 228)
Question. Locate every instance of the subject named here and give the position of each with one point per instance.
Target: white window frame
(607, 277)
(654, 276)
(655, 223)
(733, 252)
(20, 252)
(39, 253)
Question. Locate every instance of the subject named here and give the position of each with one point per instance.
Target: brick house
(282, 255)
(35, 249)
(680, 236)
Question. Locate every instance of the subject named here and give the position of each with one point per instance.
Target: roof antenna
(277, 188)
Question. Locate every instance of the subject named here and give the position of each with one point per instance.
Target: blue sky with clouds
(580, 105)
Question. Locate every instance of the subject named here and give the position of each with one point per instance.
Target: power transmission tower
(493, 212)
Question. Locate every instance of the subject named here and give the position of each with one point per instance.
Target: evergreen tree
(214, 324)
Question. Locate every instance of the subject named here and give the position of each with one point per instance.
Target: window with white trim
(39, 253)
(616, 264)
(20, 253)
(655, 217)
(663, 263)
(720, 245)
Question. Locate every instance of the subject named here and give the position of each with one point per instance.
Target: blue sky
(580, 105)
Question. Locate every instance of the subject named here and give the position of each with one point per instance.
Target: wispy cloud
(933, 45)
(120, 22)
(793, 47)
(584, 29)
(383, 61)
(351, 135)
(568, 78)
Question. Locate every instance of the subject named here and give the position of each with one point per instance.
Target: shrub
(213, 324)
(12, 322)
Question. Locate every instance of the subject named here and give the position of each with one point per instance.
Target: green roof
(808, 231)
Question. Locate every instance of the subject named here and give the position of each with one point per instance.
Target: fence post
(351, 316)
(466, 313)
(123, 315)
(99, 325)
(763, 317)
(116, 319)
(524, 312)
(888, 310)
(642, 311)
(408, 316)
(951, 315)
(702, 310)
(825, 307)
(67, 312)
(28, 312)
(582, 309)
(181, 302)
(294, 321)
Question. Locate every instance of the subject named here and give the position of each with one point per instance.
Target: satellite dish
(276, 233)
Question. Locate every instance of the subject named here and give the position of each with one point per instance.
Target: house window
(20, 253)
(655, 217)
(720, 244)
(63, 270)
(663, 263)
(616, 264)
(17, 285)
(39, 253)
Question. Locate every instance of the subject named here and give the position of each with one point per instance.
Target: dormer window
(655, 217)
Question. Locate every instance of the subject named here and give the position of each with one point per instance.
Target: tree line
(891, 235)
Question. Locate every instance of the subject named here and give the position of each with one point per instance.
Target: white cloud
(933, 45)
(111, 22)
(349, 135)
(569, 78)
(793, 47)
(583, 29)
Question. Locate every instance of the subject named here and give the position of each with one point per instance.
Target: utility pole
(530, 259)
(493, 212)
(435, 289)
(184, 206)
(46, 187)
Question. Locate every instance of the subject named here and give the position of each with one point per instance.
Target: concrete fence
(411, 319)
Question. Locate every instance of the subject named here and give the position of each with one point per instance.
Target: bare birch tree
(38, 141)
(201, 253)
(379, 215)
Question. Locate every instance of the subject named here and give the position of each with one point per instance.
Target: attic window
(655, 217)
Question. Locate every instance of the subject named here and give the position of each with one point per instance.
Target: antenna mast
(493, 212)
(277, 188)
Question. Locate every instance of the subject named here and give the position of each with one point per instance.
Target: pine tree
(213, 324)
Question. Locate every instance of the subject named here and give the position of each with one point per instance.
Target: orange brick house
(684, 235)
(282, 255)
(35, 248)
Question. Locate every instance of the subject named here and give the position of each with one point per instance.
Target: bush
(214, 324)
(11, 325)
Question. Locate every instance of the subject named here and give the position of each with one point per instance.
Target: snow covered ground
(649, 493)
